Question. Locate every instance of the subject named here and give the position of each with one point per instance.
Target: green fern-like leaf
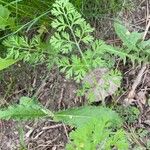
(62, 42)
(144, 44)
(67, 17)
(14, 45)
(32, 51)
(71, 29)
(97, 134)
(97, 128)
(27, 109)
(118, 140)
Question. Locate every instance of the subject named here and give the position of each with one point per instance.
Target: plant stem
(75, 40)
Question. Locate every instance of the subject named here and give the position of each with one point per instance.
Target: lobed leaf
(128, 39)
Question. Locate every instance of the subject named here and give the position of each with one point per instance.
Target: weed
(139, 138)
(129, 114)
(97, 134)
(76, 52)
(5, 19)
(96, 126)
(73, 38)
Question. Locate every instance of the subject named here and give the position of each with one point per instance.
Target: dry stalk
(138, 79)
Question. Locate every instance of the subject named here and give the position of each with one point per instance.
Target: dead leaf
(102, 84)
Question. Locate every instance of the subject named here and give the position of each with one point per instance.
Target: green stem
(75, 40)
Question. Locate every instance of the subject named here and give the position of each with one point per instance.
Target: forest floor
(56, 93)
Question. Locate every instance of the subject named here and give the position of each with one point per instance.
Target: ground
(55, 92)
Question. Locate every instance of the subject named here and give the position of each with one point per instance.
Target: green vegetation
(95, 125)
(72, 47)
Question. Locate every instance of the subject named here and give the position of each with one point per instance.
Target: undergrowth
(97, 127)
(76, 52)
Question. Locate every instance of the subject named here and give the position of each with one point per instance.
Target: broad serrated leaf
(128, 39)
(26, 109)
(80, 116)
(102, 48)
(5, 18)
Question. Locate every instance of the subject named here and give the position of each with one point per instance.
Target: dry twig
(138, 79)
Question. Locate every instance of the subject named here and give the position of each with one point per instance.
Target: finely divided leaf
(144, 45)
